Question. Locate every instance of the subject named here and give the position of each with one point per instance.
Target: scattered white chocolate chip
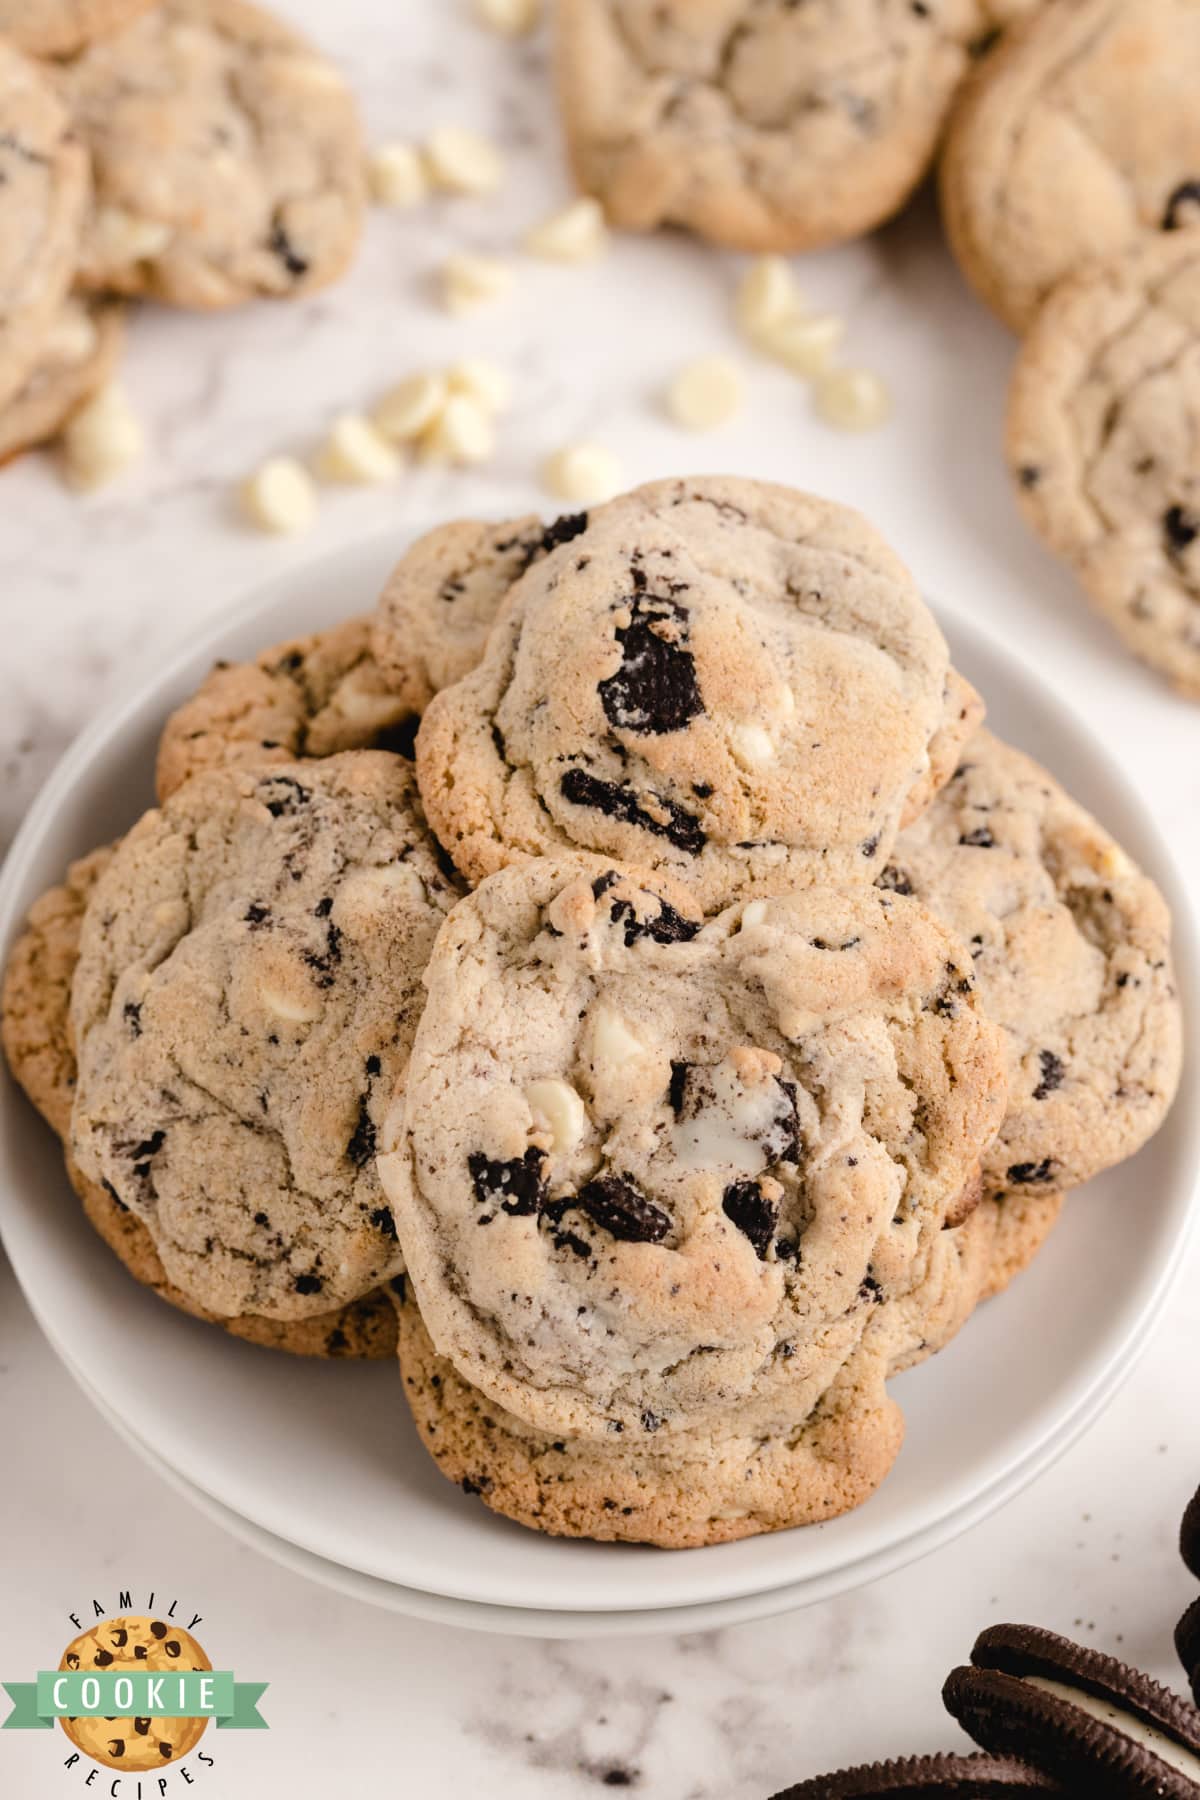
(462, 162)
(280, 496)
(587, 473)
(853, 399)
(558, 1109)
(470, 280)
(705, 393)
(411, 408)
(805, 343)
(357, 451)
(396, 176)
(462, 433)
(766, 296)
(751, 745)
(484, 382)
(575, 234)
(121, 237)
(512, 18)
(104, 437)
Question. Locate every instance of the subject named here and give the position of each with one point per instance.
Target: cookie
(1071, 947)
(79, 352)
(729, 1479)
(34, 1028)
(647, 1168)
(1084, 1718)
(976, 1777)
(1187, 1643)
(729, 681)
(1074, 139)
(1189, 1535)
(61, 27)
(441, 600)
(1022, 1220)
(757, 123)
(43, 197)
(128, 1644)
(313, 697)
(1102, 421)
(248, 984)
(226, 154)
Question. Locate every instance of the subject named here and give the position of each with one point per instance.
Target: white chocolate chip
(785, 702)
(753, 913)
(357, 451)
(486, 383)
(121, 237)
(290, 1005)
(766, 296)
(853, 400)
(280, 496)
(462, 162)
(558, 1109)
(805, 344)
(613, 1040)
(705, 393)
(104, 437)
(511, 18)
(411, 408)
(372, 891)
(396, 176)
(470, 280)
(575, 234)
(751, 745)
(587, 473)
(463, 433)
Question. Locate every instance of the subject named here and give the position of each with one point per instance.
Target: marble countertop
(90, 586)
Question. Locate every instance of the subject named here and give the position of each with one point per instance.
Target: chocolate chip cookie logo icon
(136, 1692)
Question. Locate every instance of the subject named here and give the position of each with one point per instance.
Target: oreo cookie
(1187, 1642)
(1087, 1720)
(1189, 1535)
(928, 1778)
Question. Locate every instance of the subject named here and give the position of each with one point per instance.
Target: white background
(363, 1701)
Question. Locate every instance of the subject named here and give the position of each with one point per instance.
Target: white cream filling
(1148, 1737)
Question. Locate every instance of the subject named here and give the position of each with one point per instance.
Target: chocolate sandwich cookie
(1082, 1717)
(1189, 1535)
(1187, 1642)
(927, 1778)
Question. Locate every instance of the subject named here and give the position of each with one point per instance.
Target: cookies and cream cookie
(729, 1480)
(315, 696)
(79, 351)
(35, 1031)
(645, 1168)
(1075, 138)
(226, 155)
(1071, 947)
(43, 197)
(248, 984)
(1103, 418)
(731, 681)
(757, 123)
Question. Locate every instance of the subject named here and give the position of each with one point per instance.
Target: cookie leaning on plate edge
(35, 1031)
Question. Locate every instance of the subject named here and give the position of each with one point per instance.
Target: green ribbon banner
(135, 1694)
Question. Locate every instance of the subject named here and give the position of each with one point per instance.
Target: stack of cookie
(710, 1017)
(195, 152)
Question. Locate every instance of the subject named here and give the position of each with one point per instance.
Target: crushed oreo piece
(616, 800)
(754, 1215)
(654, 691)
(518, 1186)
(619, 1207)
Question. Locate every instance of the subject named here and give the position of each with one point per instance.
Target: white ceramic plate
(323, 1457)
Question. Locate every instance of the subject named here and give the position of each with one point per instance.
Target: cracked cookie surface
(731, 681)
(79, 351)
(729, 1480)
(35, 1027)
(647, 1169)
(313, 697)
(1075, 138)
(248, 984)
(226, 156)
(758, 123)
(1071, 947)
(61, 27)
(43, 197)
(1103, 422)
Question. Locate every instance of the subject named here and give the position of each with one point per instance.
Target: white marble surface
(88, 586)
